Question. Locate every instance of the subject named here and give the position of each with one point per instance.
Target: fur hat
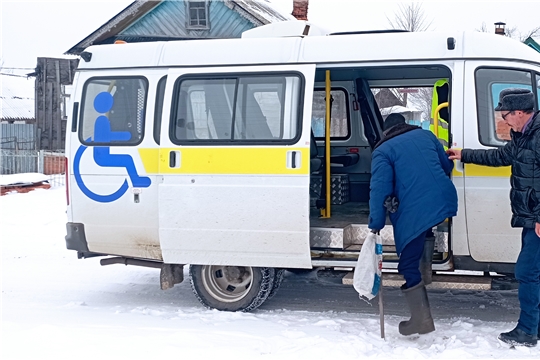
(515, 99)
(392, 120)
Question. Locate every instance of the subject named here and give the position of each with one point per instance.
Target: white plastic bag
(367, 274)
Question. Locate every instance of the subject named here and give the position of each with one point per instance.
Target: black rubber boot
(518, 337)
(427, 259)
(421, 321)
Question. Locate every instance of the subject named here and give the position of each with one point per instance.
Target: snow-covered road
(55, 306)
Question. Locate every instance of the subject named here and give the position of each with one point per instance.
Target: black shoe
(518, 337)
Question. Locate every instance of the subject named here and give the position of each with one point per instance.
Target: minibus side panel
(236, 194)
(487, 199)
(113, 185)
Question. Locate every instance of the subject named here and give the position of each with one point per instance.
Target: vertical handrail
(326, 211)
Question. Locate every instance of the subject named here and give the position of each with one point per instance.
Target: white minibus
(245, 157)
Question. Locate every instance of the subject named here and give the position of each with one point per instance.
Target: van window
(236, 108)
(113, 111)
(492, 130)
(339, 117)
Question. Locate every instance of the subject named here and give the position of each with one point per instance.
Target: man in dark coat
(522, 152)
(410, 166)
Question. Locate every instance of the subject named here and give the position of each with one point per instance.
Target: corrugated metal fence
(18, 154)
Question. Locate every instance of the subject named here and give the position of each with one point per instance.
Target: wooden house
(145, 20)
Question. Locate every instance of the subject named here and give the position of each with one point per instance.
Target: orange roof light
(120, 42)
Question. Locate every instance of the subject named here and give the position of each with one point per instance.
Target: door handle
(174, 159)
(294, 159)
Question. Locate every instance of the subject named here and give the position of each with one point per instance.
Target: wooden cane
(381, 308)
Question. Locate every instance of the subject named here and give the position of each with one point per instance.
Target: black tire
(231, 288)
(278, 279)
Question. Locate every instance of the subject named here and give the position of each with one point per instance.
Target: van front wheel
(231, 288)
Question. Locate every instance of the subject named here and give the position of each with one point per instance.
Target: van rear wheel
(231, 288)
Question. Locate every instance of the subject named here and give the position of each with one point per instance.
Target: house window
(197, 14)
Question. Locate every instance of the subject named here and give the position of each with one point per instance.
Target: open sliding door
(235, 163)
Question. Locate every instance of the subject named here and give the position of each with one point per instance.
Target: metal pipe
(130, 261)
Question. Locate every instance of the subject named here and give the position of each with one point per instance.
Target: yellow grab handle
(436, 117)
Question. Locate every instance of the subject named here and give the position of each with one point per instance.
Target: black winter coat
(523, 153)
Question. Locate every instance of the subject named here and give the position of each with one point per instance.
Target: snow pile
(55, 306)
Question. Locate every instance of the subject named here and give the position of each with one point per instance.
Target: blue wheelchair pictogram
(103, 103)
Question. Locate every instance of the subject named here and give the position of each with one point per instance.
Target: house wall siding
(169, 20)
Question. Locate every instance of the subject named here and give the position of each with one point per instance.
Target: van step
(464, 282)
(340, 237)
(353, 235)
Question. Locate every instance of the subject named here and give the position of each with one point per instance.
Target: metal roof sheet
(16, 98)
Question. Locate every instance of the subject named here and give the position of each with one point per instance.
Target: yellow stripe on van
(149, 158)
(229, 160)
(474, 170)
(487, 171)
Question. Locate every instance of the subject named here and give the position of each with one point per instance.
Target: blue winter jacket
(412, 165)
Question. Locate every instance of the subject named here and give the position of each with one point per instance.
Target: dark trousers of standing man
(527, 272)
(409, 260)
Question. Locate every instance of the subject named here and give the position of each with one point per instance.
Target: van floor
(342, 215)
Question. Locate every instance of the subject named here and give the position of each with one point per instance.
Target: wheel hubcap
(227, 283)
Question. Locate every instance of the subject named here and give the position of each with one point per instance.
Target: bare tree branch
(511, 32)
(483, 28)
(530, 33)
(410, 17)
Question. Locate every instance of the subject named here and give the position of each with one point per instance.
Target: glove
(391, 203)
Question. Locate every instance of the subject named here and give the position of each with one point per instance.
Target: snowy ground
(55, 306)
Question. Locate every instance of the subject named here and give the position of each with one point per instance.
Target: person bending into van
(410, 178)
(522, 152)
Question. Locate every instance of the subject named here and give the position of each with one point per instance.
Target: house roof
(258, 12)
(16, 98)
(534, 43)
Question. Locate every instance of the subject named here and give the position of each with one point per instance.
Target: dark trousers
(527, 272)
(409, 260)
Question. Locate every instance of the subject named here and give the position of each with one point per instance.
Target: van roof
(323, 48)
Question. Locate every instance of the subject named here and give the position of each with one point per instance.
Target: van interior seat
(315, 161)
(345, 160)
(336, 161)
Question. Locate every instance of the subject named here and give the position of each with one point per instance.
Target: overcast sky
(31, 29)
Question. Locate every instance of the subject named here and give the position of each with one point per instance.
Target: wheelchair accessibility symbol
(103, 103)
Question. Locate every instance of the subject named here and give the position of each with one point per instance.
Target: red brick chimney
(300, 8)
(499, 28)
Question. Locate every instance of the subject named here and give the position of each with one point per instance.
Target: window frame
(347, 107)
(158, 110)
(189, 26)
(83, 103)
(237, 76)
(480, 123)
